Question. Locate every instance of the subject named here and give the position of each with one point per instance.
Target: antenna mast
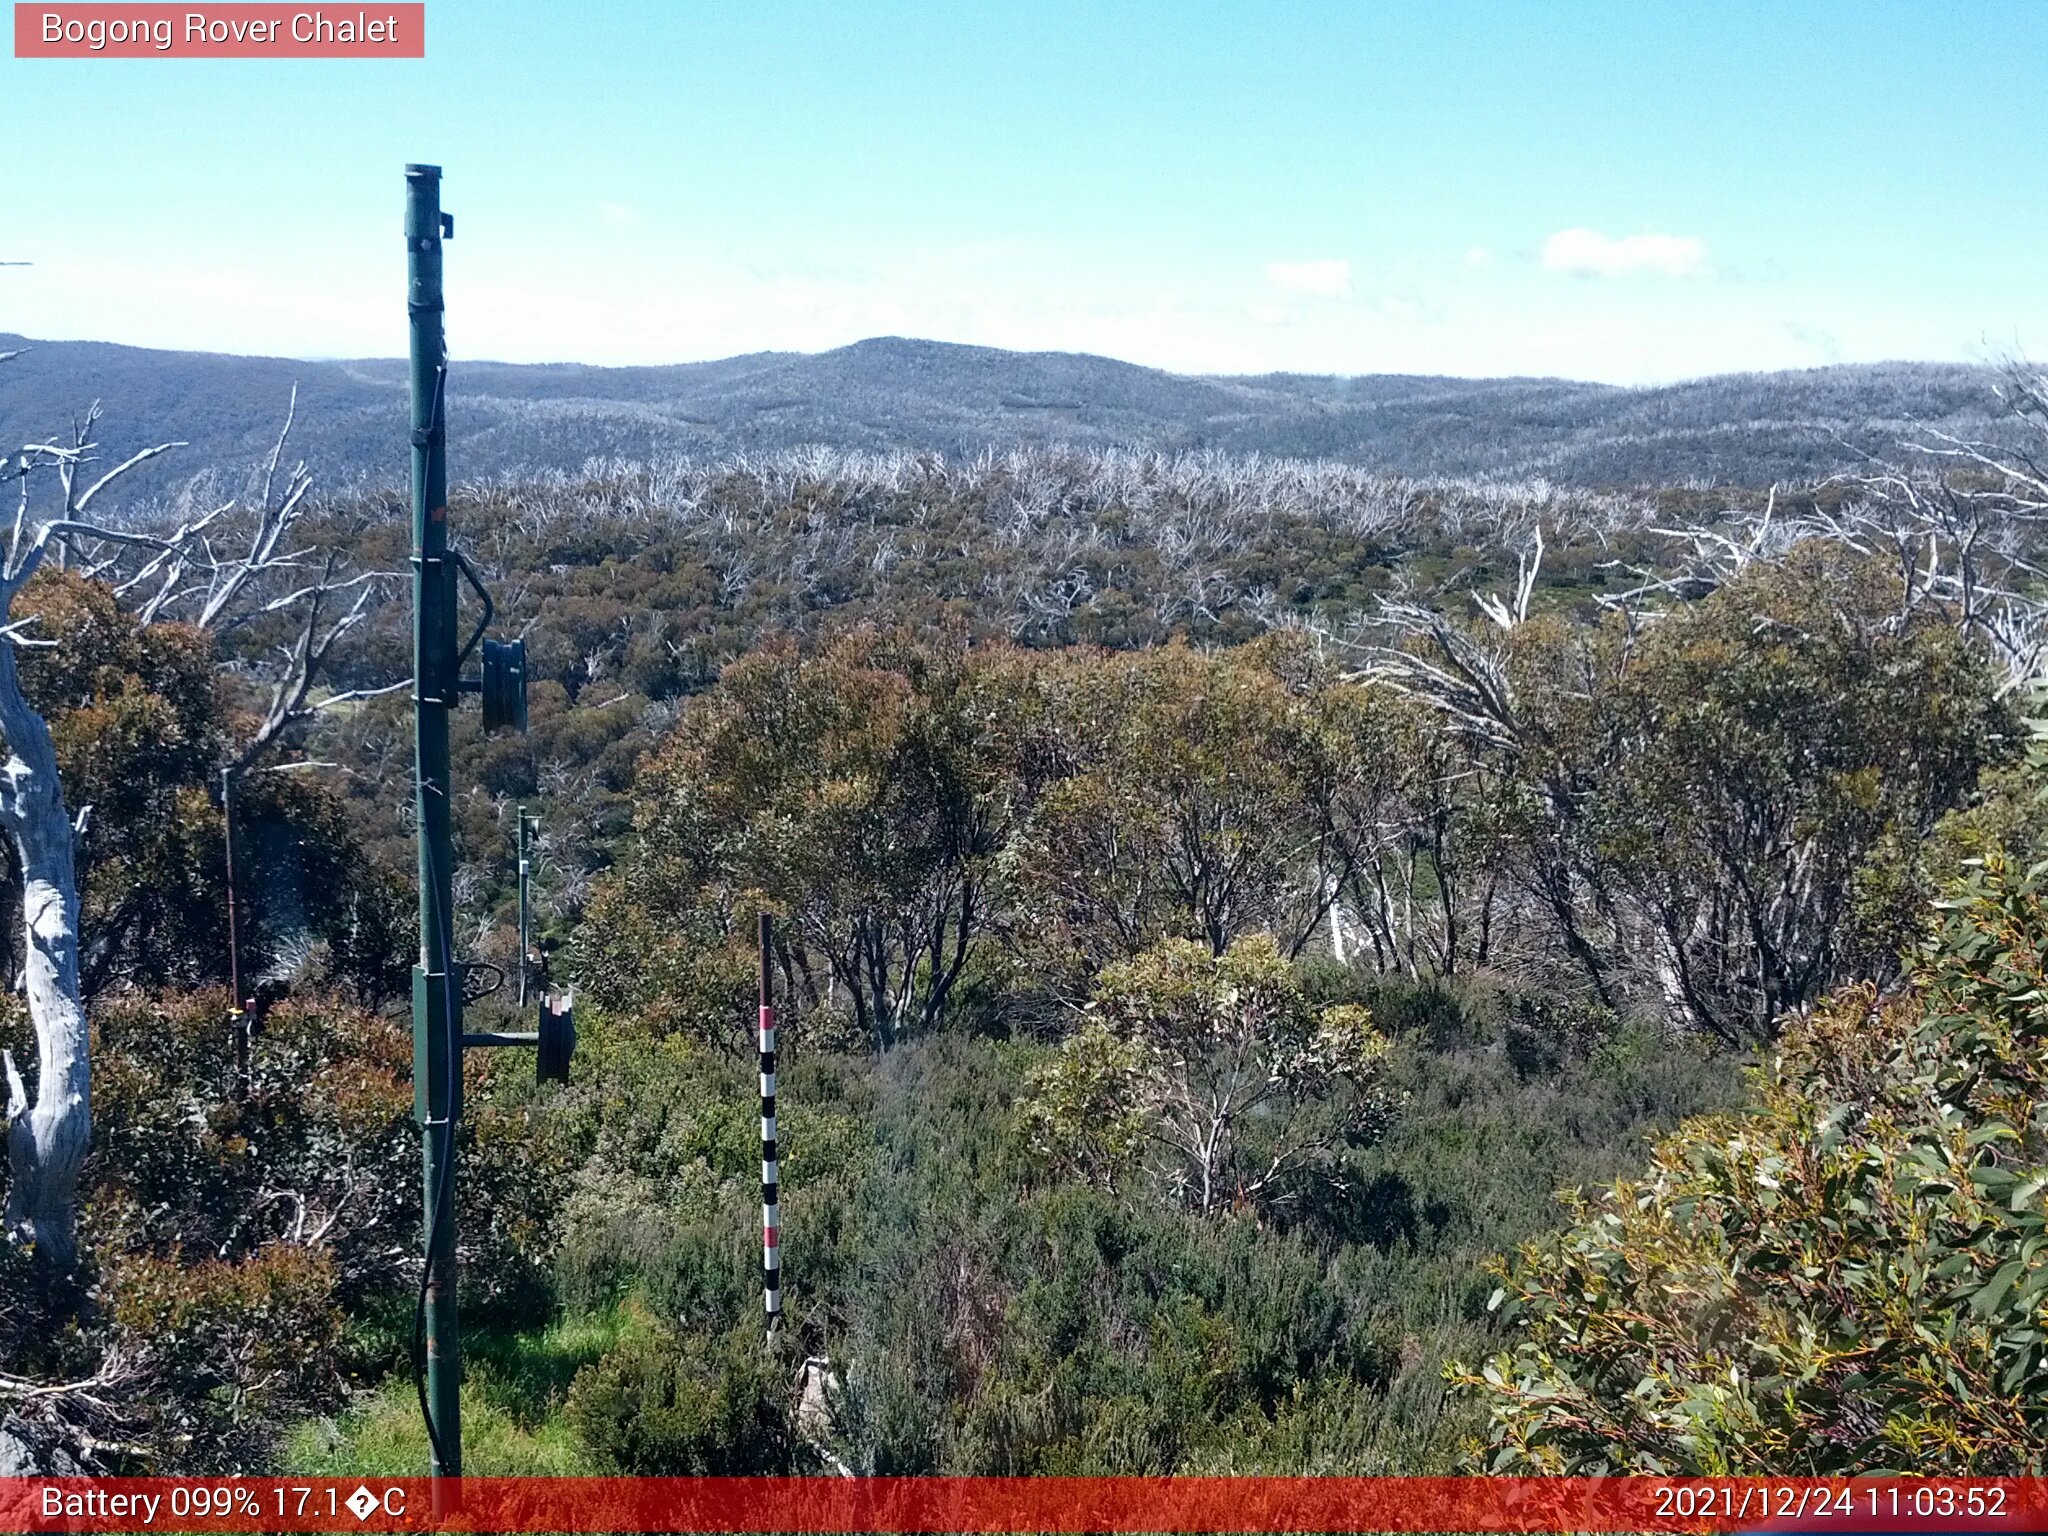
(436, 993)
(440, 981)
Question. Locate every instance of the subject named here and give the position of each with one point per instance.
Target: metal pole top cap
(433, 171)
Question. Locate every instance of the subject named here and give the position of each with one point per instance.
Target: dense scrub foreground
(983, 1312)
(1847, 1277)
(1207, 936)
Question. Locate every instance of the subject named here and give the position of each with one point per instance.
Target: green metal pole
(436, 994)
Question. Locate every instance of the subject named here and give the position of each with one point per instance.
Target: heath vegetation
(1221, 902)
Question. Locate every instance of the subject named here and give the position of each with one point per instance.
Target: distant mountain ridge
(893, 393)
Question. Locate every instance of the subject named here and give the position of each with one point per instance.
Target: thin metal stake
(238, 1018)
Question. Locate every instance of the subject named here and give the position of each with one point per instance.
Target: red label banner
(236, 31)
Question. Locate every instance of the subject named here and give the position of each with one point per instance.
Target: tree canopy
(1847, 1278)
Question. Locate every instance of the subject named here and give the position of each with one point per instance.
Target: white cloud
(619, 216)
(1323, 279)
(1479, 256)
(1588, 253)
(1823, 342)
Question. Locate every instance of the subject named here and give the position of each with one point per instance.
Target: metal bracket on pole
(435, 432)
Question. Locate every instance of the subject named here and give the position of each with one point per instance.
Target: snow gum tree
(223, 566)
(1214, 1072)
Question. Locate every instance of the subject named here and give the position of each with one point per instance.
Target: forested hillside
(1219, 902)
(892, 394)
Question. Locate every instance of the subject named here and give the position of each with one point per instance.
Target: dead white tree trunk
(46, 1141)
(48, 1136)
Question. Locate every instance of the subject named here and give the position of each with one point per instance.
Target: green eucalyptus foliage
(1851, 1278)
(1711, 816)
(1694, 806)
(1772, 736)
(142, 719)
(1201, 798)
(1214, 1073)
(863, 795)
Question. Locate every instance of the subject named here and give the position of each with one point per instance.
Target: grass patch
(514, 1384)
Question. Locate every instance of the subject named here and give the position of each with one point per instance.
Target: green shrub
(1213, 1072)
(316, 1147)
(1851, 1278)
(988, 1314)
(686, 1406)
(229, 1348)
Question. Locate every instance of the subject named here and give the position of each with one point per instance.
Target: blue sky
(1628, 192)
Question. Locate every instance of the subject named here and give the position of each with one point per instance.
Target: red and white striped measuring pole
(771, 1248)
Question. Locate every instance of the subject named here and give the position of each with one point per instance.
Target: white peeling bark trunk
(46, 1140)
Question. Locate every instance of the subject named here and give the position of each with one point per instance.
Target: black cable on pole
(419, 1311)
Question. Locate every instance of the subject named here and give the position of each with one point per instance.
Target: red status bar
(1005, 1504)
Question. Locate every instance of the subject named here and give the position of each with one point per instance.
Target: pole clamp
(437, 571)
(435, 432)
